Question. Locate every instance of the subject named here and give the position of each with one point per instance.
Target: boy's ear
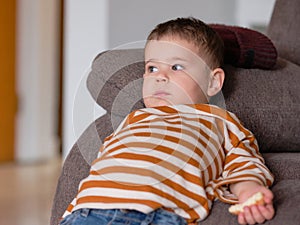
(216, 81)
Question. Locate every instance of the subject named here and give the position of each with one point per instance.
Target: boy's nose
(162, 76)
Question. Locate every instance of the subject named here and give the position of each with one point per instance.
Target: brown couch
(266, 101)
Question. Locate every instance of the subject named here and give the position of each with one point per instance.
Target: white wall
(132, 20)
(37, 79)
(254, 13)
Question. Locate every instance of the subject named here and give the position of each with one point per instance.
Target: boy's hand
(255, 213)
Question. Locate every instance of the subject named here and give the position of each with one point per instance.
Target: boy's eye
(177, 67)
(152, 69)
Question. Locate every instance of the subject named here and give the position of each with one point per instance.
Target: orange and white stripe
(178, 157)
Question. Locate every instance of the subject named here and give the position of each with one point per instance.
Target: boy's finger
(257, 214)
(248, 216)
(267, 211)
(268, 195)
(241, 218)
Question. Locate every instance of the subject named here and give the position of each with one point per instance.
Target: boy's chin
(156, 102)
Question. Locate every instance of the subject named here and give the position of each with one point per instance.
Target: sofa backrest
(284, 29)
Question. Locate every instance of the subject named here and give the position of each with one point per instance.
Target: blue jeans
(122, 217)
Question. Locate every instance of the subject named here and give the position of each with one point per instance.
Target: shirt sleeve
(243, 161)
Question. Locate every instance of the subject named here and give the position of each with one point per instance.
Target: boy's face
(174, 73)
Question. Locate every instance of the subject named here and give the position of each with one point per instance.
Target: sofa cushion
(246, 48)
(283, 165)
(266, 101)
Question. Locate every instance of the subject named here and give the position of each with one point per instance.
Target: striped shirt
(178, 157)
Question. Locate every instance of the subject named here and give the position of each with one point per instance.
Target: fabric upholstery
(284, 29)
(268, 103)
(284, 165)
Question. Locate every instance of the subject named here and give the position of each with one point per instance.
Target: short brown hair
(194, 31)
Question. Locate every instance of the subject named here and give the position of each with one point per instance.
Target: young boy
(166, 163)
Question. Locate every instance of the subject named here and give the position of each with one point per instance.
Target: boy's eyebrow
(175, 58)
(150, 60)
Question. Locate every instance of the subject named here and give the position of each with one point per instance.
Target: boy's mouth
(160, 94)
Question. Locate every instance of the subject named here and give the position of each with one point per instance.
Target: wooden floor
(26, 192)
